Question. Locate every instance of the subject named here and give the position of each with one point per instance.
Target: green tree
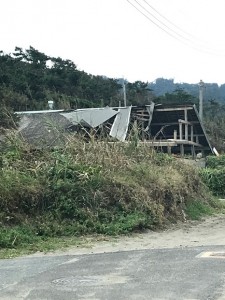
(34, 78)
(138, 93)
(179, 97)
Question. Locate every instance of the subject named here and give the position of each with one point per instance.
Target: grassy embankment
(50, 198)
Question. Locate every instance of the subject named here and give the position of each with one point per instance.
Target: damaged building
(173, 129)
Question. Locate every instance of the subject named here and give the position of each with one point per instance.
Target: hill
(212, 91)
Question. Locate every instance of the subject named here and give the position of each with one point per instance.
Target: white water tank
(50, 104)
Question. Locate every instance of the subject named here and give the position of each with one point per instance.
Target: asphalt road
(159, 274)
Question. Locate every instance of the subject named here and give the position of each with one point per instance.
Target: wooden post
(192, 133)
(186, 132)
(185, 115)
(142, 126)
(182, 150)
(193, 152)
(201, 88)
(186, 125)
(197, 141)
(175, 134)
(180, 131)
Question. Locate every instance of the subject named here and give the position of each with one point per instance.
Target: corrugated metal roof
(90, 117)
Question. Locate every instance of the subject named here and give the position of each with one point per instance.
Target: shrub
(214, 179)
(195, 210)
(20, 195)
(11, 237)
(215, 162)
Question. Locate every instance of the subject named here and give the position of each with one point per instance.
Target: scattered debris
(173, 129)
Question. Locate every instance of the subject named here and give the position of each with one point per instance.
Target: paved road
(159, 274)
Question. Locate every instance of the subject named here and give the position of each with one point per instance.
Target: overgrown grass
(44, 245)
(214, 175)
(86, 188)
(215, 162)
(195, 210)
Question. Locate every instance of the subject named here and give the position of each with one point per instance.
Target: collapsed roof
(176, 129)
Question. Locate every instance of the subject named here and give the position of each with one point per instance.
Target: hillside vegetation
(162, 86)
(104, 188)
(29, 78)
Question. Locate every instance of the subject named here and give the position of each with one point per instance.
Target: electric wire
(162, 23)
(165, 18)
(197, 46)
(191, 36)
(171, 32)
(160, 27)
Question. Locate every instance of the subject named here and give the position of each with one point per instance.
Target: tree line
(30, 78)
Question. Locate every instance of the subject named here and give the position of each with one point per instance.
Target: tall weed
(95, 187)
(215, 180)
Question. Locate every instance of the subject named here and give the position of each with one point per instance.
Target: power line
(165, 18)
(193, 38)
(162, 23)
(170, 31)
(153, 21)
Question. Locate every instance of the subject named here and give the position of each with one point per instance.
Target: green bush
(20, 195)
(196, 209)
(12, 237)
(214, 179)
(215, 162)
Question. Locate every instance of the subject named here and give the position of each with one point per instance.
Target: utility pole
(201, 88)
(124, 94)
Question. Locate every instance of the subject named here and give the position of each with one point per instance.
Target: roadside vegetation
(214, 175)
(50, 195)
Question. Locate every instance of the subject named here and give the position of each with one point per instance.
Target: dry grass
(90, 187)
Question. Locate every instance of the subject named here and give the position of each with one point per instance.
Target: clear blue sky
(116, 39)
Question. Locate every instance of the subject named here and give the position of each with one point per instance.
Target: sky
(142, 40)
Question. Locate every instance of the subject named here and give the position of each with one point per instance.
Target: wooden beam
(150, 143)
(185, 122)
(142, 119)
(142, 115)
(173, 123)
(174, 109)
(171, 136)
(185, 142)
(161, 143)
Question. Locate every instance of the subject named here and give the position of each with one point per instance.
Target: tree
(214, 121)
(138, 93)
(178, 96)
(34, 78)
